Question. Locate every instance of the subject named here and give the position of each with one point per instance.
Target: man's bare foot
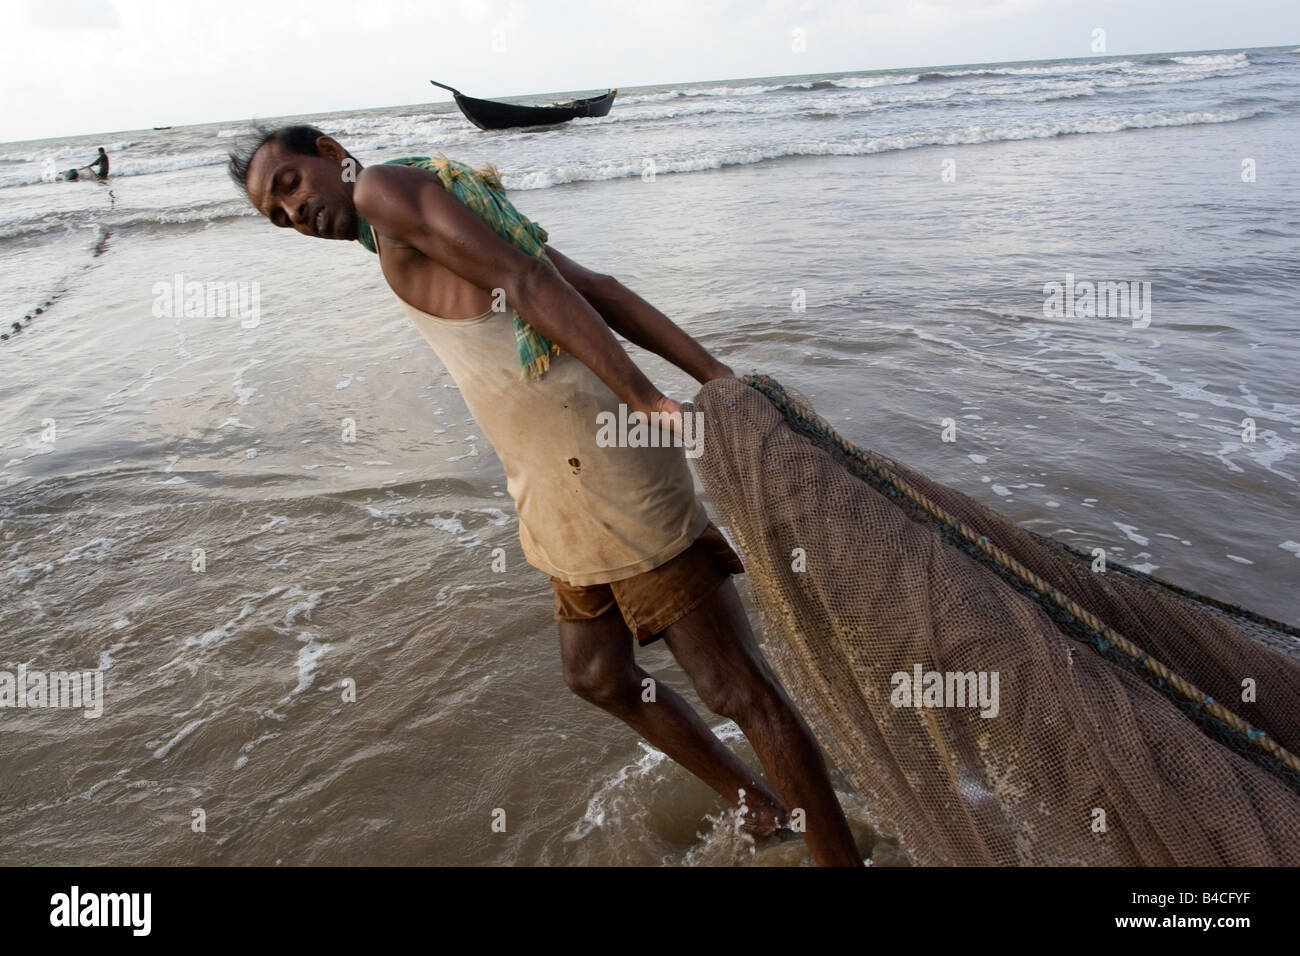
(777, 833)
(764, 818)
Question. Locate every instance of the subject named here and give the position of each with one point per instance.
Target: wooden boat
(490, 114)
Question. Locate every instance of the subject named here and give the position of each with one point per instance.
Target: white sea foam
(1214, 60)
(752, 89)
(97, 550)
(1130, 532)
(870, 82)
(605, 807)
(1059, 69)
(856, 146)
(450, 525)
(243, 393)
(308, 656)
(304, 607)
(648, 97)
(181, 734)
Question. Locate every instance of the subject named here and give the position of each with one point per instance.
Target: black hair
(101, 149)
(296, 139)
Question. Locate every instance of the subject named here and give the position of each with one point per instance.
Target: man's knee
(600, 680)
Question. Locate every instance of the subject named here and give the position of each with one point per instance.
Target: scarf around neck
(482, 192)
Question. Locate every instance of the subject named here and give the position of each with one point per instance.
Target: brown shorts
(654, 599)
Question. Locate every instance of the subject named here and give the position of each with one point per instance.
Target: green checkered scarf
(482, 192)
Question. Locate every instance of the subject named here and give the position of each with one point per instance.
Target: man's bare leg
(716, 648)
(600, 667)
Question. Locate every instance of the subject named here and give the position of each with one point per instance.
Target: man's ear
(330, 148)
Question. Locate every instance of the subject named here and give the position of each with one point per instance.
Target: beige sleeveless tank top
(587, 514)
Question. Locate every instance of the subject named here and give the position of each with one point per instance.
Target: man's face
(307, 193)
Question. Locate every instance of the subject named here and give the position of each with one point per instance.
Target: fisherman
(630, 551)
(100, 165)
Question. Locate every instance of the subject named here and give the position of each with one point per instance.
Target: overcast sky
(91, 66)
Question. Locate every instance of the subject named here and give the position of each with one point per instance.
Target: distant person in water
(100, 165)
(630, 550)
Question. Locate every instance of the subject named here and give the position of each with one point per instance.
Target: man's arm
(412, 207)
(638, 321)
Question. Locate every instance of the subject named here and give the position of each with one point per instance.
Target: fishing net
(1135, 723)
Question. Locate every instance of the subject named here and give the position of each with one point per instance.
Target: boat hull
(491, 114)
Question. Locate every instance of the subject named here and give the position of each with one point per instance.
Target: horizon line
(732, 79)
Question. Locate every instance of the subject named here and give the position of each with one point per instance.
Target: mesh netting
(1120, 737)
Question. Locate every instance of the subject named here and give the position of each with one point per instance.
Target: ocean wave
(1063, 69)
(686, 108)
(425, 126)
(1213, 59)
(840, 83)
(890, 98)
(1175, 67)
(810, 85)
(896, 97)
(76, 221)
(853, 83)
(1051, 96)
(1134, 73)
(47, 170)
(378, 140)
(1157, 77)
(751, 90)
(1183, 71)
(868, 82)
(964, 136)
(146, 166)
(1011, 89)
(429, 142)
(63, 153)
(648, 97)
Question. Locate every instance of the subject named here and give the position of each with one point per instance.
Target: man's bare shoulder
(397, 195)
